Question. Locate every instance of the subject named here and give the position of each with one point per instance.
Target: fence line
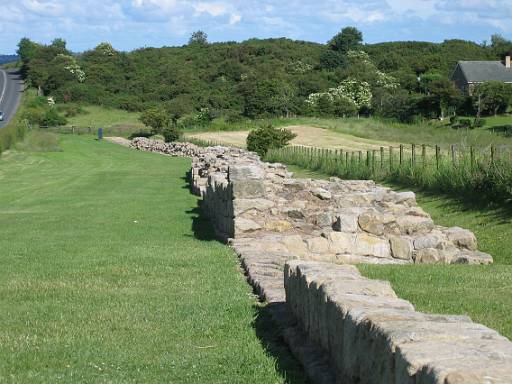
(459, 169)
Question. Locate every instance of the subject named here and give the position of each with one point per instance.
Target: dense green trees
(263, 78)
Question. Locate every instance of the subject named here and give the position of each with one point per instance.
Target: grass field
(306, 136)
(109, 276)
(482, 292)
(350, 134)
(360, 134)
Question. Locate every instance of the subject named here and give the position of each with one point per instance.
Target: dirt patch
(306, 136)
(119, 140)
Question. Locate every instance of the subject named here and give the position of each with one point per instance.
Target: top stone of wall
(339, 221)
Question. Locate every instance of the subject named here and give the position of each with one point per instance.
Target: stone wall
(340, 221)
(350, 329)
(372, 336)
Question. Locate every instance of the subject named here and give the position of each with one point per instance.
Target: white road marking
(5, 86)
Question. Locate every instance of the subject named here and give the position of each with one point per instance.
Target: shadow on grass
(501, 212)
(271, 338)
(267, 331)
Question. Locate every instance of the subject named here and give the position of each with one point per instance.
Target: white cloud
(153, 22)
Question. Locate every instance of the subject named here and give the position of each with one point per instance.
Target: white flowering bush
(51, 101)
(357, 92)
(72, 66)
(106, 49)
(386, 81)
(299, 67)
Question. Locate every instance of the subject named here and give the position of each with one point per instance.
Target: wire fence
(459, 169)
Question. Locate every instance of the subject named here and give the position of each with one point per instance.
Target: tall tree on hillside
(349, 39)
(27, 50)
(198, 38)
(500, 45)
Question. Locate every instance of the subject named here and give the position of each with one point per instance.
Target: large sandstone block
(369, 245)
(248, 189)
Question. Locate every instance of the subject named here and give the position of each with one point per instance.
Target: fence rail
(457, 169)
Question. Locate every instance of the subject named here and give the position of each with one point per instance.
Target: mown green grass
(482, 292)
(124, 123)
(97, 116)
(109, 276)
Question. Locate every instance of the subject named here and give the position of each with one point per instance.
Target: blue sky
(130, 24)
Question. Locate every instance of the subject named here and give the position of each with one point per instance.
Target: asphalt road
(11, 87)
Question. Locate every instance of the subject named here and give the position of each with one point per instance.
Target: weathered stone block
(401, 248)
(248, 189)
(370, 245)
(245, 172)
(258, 204)
(346, 223)
(462, 238)
(317, 245)
(372, 222)
(245, 225)
(321, 193)
(340, 242)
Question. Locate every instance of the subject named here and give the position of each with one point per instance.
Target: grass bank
(108, 275)
(482, 292)
(16, 129)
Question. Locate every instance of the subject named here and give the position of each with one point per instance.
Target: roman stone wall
(350, 329)
(372, 336)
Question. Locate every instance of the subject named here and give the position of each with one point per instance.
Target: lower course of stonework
(343, 327)
(371, 336)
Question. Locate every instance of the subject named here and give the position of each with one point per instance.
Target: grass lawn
(348, 134)
(361, 134)
(97, 116)
(109, 276)
(482, 292)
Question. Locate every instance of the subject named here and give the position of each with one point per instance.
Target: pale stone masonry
(372, 336)
(344, 328)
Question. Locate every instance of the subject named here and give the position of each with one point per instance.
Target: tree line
(406, 81)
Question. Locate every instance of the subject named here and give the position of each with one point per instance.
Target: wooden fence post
(454, 155)
(472, 156)
(368, 158)
(413, 155)
(437, 156)
(390, 158)
(424, 154)
(346, 158)
(381, 157)
(360, 157)
(401, 154)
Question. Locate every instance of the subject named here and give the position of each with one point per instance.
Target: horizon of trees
(257, 78)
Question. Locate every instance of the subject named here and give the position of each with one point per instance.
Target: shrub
(171, 133)
(465, 123)
(479, 123)
(188, 121)
(155, 118)
(52, 118)
(233, 116)
(266, 137)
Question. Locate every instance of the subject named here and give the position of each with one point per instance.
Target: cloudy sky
(130, 24)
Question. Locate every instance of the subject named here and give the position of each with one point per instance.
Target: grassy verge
(16, 129)
(109, 276)
(482, 292)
